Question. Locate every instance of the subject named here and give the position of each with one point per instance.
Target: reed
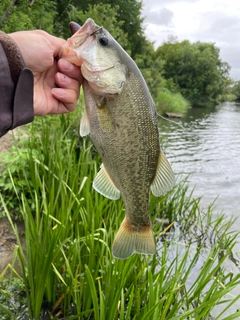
(167, 101)
(67, 269)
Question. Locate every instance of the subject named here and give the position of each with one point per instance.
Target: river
(205, 144)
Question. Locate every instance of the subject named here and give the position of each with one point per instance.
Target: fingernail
(59, 92)
(62, 78)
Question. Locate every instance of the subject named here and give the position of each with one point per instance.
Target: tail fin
(128, 241)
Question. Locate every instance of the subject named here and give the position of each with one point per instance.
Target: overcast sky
(215, 21)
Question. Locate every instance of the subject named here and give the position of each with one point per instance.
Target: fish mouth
(93, 69)
(77, 40)
(93, 74)
(88, 29)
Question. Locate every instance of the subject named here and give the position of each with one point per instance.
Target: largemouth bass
(121, 119)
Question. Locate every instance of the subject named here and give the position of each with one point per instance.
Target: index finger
(70, 70)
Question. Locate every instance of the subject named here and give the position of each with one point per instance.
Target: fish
(121, 118)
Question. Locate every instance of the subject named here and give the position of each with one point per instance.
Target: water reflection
(205, 145)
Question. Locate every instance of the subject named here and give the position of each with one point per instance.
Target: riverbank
(7, 236)
(173, 103)
(8, 243)
(67, 268)
(6, 142)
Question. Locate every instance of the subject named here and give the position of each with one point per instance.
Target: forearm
(16, 87)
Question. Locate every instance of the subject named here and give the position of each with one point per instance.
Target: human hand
(56, 83)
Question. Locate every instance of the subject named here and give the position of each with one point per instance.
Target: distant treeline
(192, 70)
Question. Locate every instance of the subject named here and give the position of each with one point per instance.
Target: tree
(152, 69)
(122, 18)
(26, 15)
(196, 69)
(127, 14)
(102, 14)
(236, 90)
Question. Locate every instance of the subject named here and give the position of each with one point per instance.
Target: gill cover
(102, 66)
(95, 50)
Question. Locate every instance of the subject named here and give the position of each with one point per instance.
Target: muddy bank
(8, 242)
(7, 238)
(6, 142)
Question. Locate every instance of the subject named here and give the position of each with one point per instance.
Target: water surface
(206, 146)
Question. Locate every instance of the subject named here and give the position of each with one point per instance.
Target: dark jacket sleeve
(16, 87)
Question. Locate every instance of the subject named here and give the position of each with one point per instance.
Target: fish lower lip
(92, 68)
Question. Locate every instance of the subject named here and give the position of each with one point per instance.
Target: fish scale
(121, 119)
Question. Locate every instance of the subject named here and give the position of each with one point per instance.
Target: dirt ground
(7, 238)
(8, 241)
(6, 142)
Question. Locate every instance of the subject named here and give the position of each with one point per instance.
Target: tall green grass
(67, 269)
(167, 101)
(227, 97)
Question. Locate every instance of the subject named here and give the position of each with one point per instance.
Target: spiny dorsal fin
(84, 125)
(128, 241)
(104, 185)
(164, 179)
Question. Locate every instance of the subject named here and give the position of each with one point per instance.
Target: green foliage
(151, 69)
(235, 90)
(127, 13)
(171, 102)
(104, 15)
(130, 12)
(23, 15)
(12, 165)
(54, 17)
(67, 266)
(196, 69)
(227, 97)
(125, 26)
(12, 299)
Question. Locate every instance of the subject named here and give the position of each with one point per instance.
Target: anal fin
(129, 241)
(104, 185)
(164, 179)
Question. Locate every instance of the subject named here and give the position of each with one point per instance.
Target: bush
(171, 102)
(227, 97)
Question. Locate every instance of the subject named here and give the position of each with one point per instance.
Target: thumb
(56, 43)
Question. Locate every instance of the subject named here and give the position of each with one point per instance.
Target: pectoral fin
(164, 179)
(84, 125)
(104, 185)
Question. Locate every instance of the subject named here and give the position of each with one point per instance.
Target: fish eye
(103, 41)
